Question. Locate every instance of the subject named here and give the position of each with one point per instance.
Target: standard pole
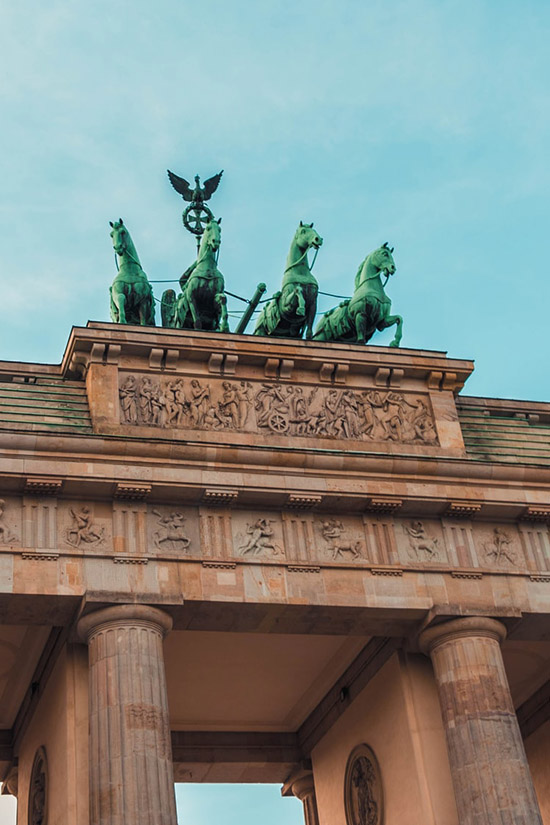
(252, 304)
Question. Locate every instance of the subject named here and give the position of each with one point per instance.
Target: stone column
(490, 773)
(131, 772)
(302, 786)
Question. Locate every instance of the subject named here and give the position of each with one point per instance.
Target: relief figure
(332, 533)
(170, 533)
(6, 536)
(500, 547)
(420, 541)
(260, 538)
(83, 530)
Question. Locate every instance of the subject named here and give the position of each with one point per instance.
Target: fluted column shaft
(131, 772)
(490, 773)
(303, 787)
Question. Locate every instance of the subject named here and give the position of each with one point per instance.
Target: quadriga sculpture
(202, 303)
(293, 308)
(357, 319)
(132, 299)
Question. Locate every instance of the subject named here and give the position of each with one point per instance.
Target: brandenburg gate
(256, 558)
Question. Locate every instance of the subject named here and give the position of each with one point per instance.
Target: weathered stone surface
(131, 774)
(489, 768)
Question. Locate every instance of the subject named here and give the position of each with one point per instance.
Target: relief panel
(173, 531)
(275, 409)
(340, 539)
(421, 541)
(499, 547)
(10, 521)
(85, 526)
(257, 536)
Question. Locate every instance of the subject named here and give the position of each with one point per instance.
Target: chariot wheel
(278, 423)
(196, 217)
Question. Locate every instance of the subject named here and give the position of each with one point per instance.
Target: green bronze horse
(132, 299)
(202, 303)
(293, 309)
(357, 319)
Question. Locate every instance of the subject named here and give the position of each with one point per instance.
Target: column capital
(465, 627)
(299, 784)
(123, 615)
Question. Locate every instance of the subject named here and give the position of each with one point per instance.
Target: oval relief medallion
(364, 797)
(38, 790)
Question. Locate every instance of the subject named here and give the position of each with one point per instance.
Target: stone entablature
(130, 528)
(168, 384)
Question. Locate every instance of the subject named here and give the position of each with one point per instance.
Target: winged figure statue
(200, 193)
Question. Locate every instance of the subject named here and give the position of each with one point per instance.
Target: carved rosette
(38, 790)
(363, 792)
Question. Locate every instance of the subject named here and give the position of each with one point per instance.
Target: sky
(424, 123)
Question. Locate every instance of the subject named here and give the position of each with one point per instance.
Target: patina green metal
(197, 214)
(356, 319)
(132, 299)
(202, 303)
(292, 310)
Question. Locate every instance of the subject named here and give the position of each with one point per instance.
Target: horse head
(382, 259)
(119, 235)
(307, 236)
(211, 237)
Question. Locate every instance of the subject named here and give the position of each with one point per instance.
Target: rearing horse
(356, 319)
(202, 303)
(132, 299)
(293, 309)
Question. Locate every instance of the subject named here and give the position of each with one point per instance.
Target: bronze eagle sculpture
(200, 193)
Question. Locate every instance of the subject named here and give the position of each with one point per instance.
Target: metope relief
(173, 530)
(170, 533)
(499, 549)
(367, 415)
(423, 546)
(339, 543)
(7, 535)
(258, 538)
(83, 530)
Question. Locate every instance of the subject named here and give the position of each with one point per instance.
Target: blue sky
(425, 123)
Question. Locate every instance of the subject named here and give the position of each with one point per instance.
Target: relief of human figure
(244, 397)
(229, 405)
(144, 400)
(6, 536)
(198, 403)
(83, 530)
(176, 403)
(171, 531)
(128, 400)
(260, 538)
(420, 541)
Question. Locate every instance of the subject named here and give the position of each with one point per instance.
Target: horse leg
(195, 315)
(311, 311)
(120, 301)
(221, 301)
(360, 323)
(390, 321)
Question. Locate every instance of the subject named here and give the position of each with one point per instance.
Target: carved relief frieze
(170, 533)
(499, 549)
(10, 517)
(272, 408)
(173, 531)
(84, 531)
(341, 541)
(258, 538)
(422, 544)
